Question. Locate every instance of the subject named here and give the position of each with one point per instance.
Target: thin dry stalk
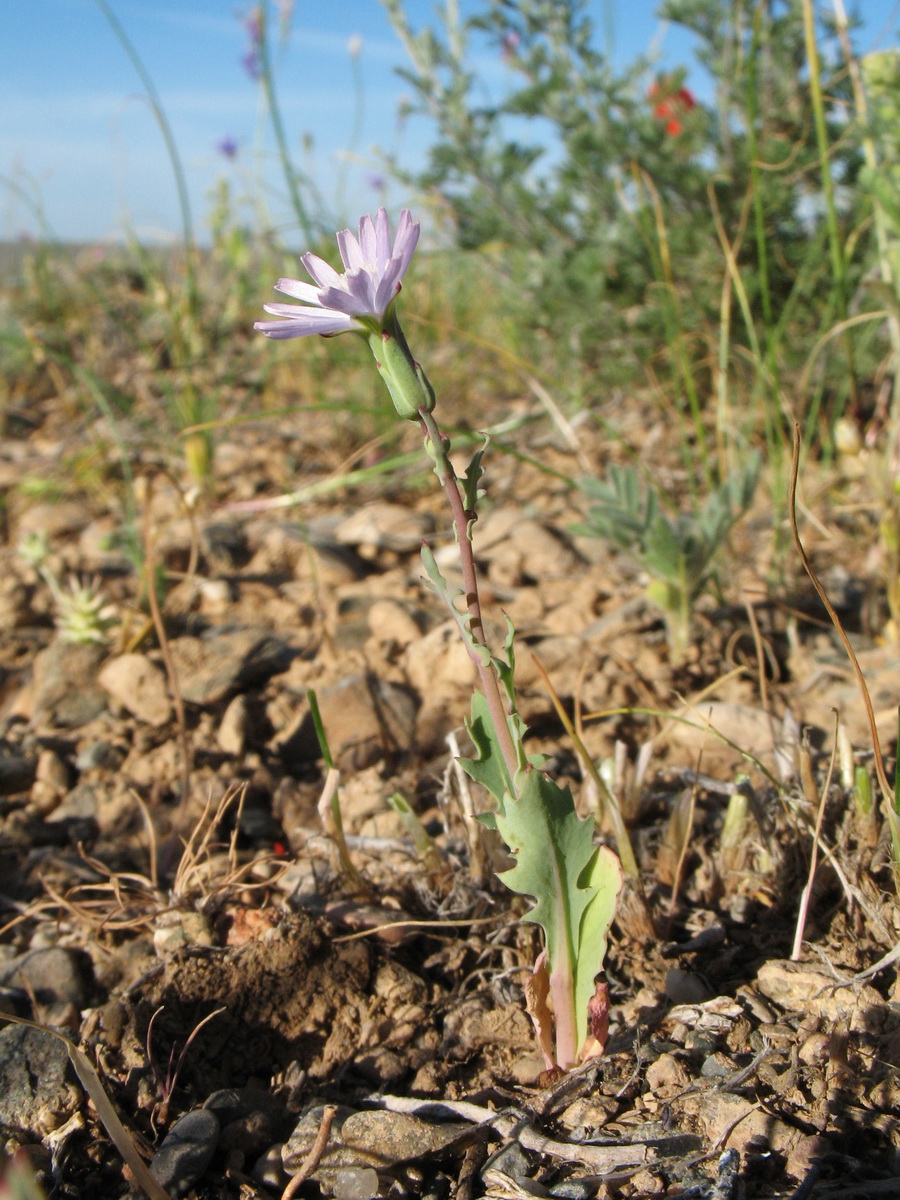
(685, 841)
(881, 773)
(187, 753)
(806, 894)
(623, 841)
(314, 1157)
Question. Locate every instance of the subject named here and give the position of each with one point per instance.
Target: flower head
(357, 300)
(227, 147)
(670, 106)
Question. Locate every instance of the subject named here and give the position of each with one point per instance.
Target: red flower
(671, 106)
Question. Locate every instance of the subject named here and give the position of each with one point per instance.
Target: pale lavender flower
(356, 300)
(251, 60)
(227, 147)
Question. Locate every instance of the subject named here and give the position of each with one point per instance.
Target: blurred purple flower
(252, 65)
(509, 44)
(253, 23)
(251, 60)
(375, 181)
(356, 300)
(227, 147)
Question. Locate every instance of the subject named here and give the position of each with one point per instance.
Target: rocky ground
(263, 1008)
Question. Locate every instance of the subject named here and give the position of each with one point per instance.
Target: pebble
(17, 773)
(98, 756)
(139, 686)
(796, 987)
(355, 1183)
(66, 692)
(226, 660)
(231, 736)
(186, 1151)
(56, 977)
(384, 526)
(53, 769)
(364, 717)
(268, 1170)
(375, 1139)
(667, 1074)
(684, 987)
(38, 1092)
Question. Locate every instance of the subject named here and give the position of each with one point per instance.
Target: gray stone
(227, 660)
(66, 692)
(54, 976)
(38, 1092)
(186, 1151)
(379, 1139)
(364, 718)
(100, 755)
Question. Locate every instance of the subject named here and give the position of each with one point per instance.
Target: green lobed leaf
(555, 857)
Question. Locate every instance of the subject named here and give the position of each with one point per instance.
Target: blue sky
(78, 138)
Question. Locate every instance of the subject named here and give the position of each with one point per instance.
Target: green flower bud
(405, 379)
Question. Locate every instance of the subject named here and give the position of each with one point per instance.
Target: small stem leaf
(489, 768)
(477, 650)
(471, 494)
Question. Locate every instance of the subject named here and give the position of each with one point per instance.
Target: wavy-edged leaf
(553, 848)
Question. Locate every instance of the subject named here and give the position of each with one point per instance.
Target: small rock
(38, 1092)
(66, 692)
(306, 553)
(364, 718)
(796, 987)
(53, 769)
(684, 987)
(667, 1075)
(231, 735)
(215, 596)
(139, 686)
(391, 622)
(186, 1151)
(377, 1139)
(79, 805)
(383, 526)
(805, 1154)
(99, 756)
(355, 1183)
(718, 1066)
(179, 929)
(55, 519)
(735, 1121)
(226, 660)
(269, 1172)
(17, 773)
(55, 977)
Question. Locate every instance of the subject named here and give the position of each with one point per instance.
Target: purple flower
(509, 44)
(252, 65)
(251, 60)
(227, 147)
(357, 300)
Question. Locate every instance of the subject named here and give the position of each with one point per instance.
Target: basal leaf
(554, 850)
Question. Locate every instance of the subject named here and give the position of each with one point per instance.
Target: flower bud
(405, 379)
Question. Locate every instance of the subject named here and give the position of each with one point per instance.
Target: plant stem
(461, 522)
(838, 264)
(287, 167)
